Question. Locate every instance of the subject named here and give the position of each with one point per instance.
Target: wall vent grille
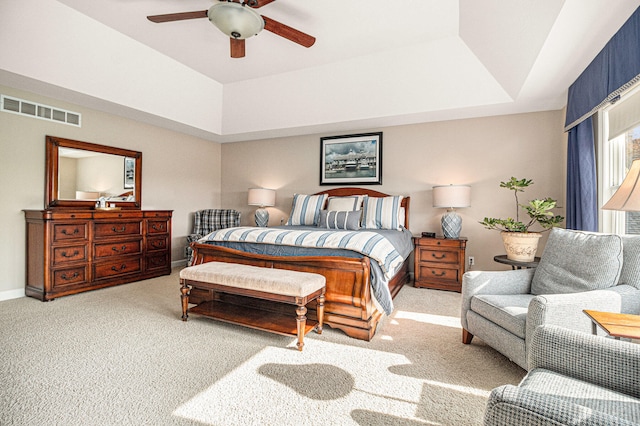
(36, 110)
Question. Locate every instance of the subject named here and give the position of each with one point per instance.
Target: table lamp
(627, 197)
(451, 197)
(263, 198)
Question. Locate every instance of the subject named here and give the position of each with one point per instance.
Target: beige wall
(169, 160)
(479, 152)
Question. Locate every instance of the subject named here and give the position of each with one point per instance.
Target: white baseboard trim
(12, 294)
(179, 263)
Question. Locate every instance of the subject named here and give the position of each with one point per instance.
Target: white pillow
(306, 209)
(344, 204)
(382, 213)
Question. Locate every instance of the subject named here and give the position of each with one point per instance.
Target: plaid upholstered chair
(574, 379)
(207, 221)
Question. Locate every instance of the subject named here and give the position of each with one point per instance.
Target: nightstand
(439, 262)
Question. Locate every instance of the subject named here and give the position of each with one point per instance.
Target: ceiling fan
(239, 21)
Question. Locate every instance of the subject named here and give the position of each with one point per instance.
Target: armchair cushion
(575, 261)
(630, 273)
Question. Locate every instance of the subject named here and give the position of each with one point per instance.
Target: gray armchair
(207, 221)
(577, 270)
(574, 379)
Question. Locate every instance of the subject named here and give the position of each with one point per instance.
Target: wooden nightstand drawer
(439, 256)
(431, 273)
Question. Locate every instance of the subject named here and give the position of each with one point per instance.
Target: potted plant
(520, 242)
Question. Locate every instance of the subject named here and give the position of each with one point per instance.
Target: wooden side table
(615, 324)
(439, 262)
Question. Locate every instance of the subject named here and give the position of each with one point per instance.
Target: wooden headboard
(346, 191)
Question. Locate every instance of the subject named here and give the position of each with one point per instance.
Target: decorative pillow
(306, 209)
(630, 273)
(343, 204)
(382, 213)
(576, 261)
(340, 220)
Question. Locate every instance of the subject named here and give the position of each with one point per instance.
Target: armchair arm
(565, 310)
(493, 282)
(605, 362)
(512, 405)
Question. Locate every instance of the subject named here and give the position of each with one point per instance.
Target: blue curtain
(582, 183)
(613, 70)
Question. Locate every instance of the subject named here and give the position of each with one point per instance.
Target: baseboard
(179, 263)
(12, 294)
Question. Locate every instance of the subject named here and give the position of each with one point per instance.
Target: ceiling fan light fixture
(235, 20)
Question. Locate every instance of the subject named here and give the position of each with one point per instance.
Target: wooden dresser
(71, 251)
(439, 262)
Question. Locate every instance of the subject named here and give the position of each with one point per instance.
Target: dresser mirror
(79, 174)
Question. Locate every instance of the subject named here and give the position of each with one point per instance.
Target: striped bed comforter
(368, 243)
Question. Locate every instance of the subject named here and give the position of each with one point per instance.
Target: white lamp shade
(451, 196)
(87, 195)
(262, 197)
(627, 197)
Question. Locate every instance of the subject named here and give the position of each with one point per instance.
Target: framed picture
(129, 172)
(351, 159)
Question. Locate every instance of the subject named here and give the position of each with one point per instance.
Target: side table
(615, 324)
(439, 262)
(515, 264)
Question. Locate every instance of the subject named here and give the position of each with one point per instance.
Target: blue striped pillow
(382, 213)
(306, 209)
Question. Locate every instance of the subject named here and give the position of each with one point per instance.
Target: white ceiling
(374, 64)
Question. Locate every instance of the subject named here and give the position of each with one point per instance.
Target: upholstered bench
(276, 285)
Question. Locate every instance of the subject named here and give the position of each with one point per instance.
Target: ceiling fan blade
(287, 32)
(258, 3)
(237, 47)
(169, 17)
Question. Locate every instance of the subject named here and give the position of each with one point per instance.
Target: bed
(357, 283)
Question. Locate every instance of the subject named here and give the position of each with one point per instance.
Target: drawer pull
(116, 269)
(157, 261)
(75, 253)
(123, 248)
(156, 227)
(124, 228)
(75, 232)
(441, 274)
(435, 256)
(65, 277)
(157, 244)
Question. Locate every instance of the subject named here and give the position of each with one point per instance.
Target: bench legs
(301, 320)
(184, 297)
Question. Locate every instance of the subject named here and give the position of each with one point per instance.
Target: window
(619, 145)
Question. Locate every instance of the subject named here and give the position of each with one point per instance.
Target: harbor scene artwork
(351, 159)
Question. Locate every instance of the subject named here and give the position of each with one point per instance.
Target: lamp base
(451, 224)
(262, 217)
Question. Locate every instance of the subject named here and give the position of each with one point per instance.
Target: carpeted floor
(121, 356)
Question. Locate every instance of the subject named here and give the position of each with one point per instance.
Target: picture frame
(351, 159)
(129, 172)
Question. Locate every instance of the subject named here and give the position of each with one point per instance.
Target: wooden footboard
(348, 301)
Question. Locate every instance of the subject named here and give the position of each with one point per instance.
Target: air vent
(35, 110)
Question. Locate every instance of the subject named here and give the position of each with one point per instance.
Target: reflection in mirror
(79, 173)
(89, 175)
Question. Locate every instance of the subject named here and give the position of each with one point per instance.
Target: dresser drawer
(69, 277)
(158, 261)
(119, 267)
(117, 248)
(440, 256)
(70, 231)
(157, 243)
(157, 226)
(117, 229)
(77, 253)
(434, 273)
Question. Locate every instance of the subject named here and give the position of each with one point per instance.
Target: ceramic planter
(521, 246)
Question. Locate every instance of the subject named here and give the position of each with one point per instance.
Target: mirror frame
(53, 144)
